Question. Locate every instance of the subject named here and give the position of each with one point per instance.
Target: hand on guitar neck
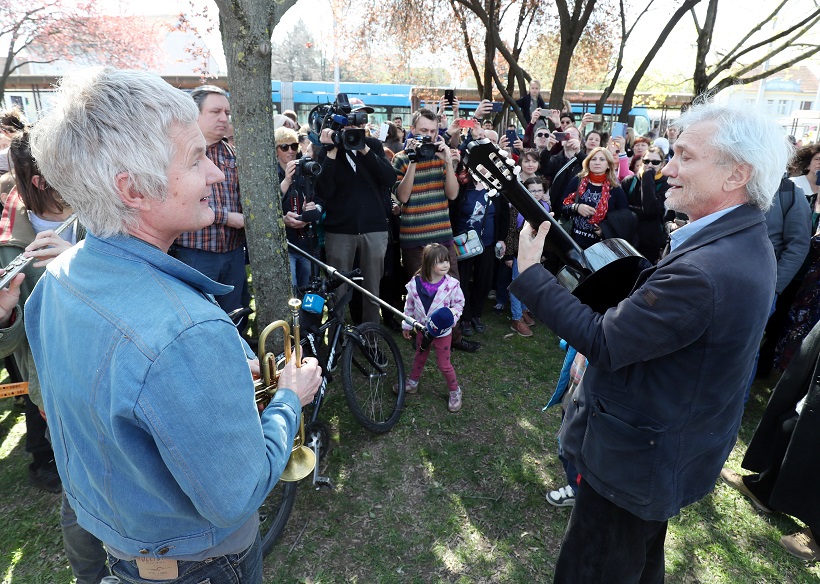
(531, 244)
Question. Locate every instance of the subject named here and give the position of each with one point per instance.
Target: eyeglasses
(542, 135)
(652, 162)
(284, 147)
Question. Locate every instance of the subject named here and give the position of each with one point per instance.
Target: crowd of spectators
(385, 206)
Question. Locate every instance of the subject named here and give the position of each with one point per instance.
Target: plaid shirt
(218, 237)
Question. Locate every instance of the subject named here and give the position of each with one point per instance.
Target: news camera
(337, 116)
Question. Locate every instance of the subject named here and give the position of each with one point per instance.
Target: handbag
(468, 245)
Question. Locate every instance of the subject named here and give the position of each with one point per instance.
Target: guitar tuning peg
(516, 170)
(492, 193)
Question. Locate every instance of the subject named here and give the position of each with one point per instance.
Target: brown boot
(521, 328)
(801, 545)
(528, 318)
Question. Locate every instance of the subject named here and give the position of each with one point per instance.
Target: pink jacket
(449, 294)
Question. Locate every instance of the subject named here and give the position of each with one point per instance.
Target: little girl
(430, 289)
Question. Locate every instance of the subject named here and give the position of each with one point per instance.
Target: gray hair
(745, 135)
(105, 122)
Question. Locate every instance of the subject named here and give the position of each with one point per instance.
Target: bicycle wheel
(371, 368)
(274, 514)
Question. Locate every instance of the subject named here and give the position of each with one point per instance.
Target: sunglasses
(652, 162)
(284, 147)
(542, 135)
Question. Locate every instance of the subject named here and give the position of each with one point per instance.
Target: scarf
(603, 204)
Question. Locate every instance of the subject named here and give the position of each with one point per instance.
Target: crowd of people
(156, 260)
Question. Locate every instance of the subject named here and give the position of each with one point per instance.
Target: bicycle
(372, 372)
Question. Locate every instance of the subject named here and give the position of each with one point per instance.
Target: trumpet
(302, 459)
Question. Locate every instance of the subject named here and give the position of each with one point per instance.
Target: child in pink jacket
(430, 289)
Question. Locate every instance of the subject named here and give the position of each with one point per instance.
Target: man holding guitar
(660, 404)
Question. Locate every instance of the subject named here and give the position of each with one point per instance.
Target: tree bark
(246, 29)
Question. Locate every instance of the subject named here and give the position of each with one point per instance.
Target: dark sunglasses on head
(284, 147)
(652, 162)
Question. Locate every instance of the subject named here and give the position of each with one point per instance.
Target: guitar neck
(558, 240)
(493, 167)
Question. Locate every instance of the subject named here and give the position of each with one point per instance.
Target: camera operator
(354, 186)
(300, 209)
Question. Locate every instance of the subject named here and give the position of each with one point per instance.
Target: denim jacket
(150, 400)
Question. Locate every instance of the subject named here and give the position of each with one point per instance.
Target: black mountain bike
(372, 372)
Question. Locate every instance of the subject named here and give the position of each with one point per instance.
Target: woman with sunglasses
(646, 194)
(591, 195)
(295, 200)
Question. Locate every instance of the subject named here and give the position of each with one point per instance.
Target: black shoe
(466, 329)
(479, 326)
(468, 346)
(46, 478)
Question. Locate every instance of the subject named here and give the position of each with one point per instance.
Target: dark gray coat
(660, 404)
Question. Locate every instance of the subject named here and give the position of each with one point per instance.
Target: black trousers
(476, 275)
(606, 543)
(36, 441)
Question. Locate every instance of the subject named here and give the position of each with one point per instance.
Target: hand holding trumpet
(304, 380)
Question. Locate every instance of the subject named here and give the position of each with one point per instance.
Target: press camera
(337, 116)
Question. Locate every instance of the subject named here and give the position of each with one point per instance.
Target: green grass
(442, 497)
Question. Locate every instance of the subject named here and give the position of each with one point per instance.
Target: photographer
(354, 186)
(427, 183)
(300, 209)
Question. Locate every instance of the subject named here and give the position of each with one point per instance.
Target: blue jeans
(300, 268)
(86, 554)
(244, 568)
(516, 307)
(225, 268)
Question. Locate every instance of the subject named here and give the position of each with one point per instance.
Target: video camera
(337, 116)
(424, 151)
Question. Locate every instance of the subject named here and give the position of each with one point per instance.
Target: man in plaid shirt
(218, 251)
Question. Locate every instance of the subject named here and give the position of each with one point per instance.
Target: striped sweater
(425, 217)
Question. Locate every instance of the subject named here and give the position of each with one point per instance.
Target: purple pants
(442, 347)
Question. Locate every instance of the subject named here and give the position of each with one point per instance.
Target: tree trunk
(572, 27)
(629, 93)
(246, 32)
(700, 77)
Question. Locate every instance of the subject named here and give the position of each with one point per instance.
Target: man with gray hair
(161, 449)
(218, 250)
(660, 404)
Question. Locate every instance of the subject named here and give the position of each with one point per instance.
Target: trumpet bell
(301, 463)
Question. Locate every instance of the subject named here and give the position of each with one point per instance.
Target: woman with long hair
(591, 195)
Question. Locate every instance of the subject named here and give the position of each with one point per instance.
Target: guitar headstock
(490, 165)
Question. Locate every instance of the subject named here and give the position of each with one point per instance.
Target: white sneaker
(563, 497)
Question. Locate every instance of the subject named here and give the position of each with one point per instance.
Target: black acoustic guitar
(601, 275)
